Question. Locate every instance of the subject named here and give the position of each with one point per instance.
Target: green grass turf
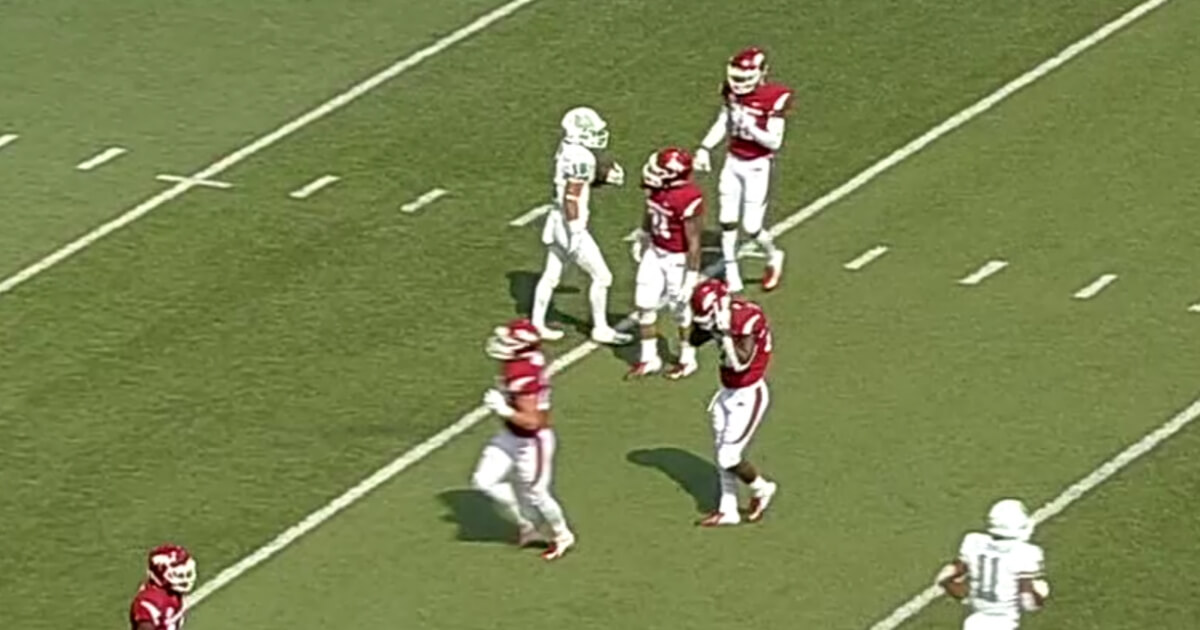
(235, 360)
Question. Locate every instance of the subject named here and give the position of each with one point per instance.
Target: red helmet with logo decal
(513, 340)
(172, 567)
(746, 70)
(708, 299)
(667, 167)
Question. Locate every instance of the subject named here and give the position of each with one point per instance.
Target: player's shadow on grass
(693, 474)
(476, 517)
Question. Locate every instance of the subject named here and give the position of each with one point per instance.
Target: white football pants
(516, 472)
(742, 192)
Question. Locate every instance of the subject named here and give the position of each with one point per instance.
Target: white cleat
(558, 548)
(645, 368)
(760, 501)
(773, 272)
(717, 518)
(529, 535)
(610, 336)
(682, 370)
(549, 334)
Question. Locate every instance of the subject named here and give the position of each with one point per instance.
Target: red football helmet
(667, 167)
(512, 340)
(172, 567)
(746, 70)
(710, 300)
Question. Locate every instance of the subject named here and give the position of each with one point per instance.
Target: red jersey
(747, 319)
(767, 101)
(668, 209)
(157, 606)
(523, 376)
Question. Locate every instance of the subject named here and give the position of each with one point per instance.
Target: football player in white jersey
(998, 574)
(565, 233)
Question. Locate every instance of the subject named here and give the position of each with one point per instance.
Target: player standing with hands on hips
(752, 117)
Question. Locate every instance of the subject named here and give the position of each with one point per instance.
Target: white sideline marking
(191, 182)
(866, 258)
(107, 155)
(979, 275)
(262, 142)
(532, 215)
(424, 200)
(473, 417)
(311, 188)
(8, 139)
(1097, 285)
(1064, 500)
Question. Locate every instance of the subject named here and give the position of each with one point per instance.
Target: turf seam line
(478, 414)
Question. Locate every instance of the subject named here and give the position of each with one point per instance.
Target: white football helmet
(585, 127)
(1009, 519)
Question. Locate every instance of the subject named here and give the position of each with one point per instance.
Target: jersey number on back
(988, 569)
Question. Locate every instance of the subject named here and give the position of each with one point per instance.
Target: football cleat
(717, 518)
(645, 368)
(760, 501)
(550, 334)
(559, 547)
(733, 278)
(529, 535)
(610, 336)
(773, 272)
(682, 370)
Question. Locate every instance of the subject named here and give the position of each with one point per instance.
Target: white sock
(649, 349)
(687, 352)
(759, 484)
(505, 497)
(598, 294)
(552, 515)
(766, 242)
(541, 302)
(729, 247)
(729, 498)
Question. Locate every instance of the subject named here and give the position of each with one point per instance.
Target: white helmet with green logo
(585, 127)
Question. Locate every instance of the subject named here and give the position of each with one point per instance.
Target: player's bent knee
(729, 227)
(646, 316)
(728, 456)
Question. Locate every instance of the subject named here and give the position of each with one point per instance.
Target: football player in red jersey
(158, 605)
(752, 116)
(517, 464)
(743, 335)
(667, 251)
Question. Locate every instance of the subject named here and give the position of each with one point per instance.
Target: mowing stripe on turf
(1064, 500)
(476, 415)
(210, 172)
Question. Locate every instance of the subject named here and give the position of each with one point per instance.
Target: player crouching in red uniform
(743, 335)
(158, 605)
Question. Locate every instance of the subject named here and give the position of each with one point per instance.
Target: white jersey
(573, 162)
(994, 566)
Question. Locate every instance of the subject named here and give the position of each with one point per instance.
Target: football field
(251, 251)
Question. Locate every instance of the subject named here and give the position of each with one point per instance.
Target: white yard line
(424, 200)
(1195, 308)
(8, 139)
(193, 181)
(229, 161)
(532, 215)
(473, 417)
(105, 156)
(866, 258)
(1076, 491)
(989, 268)
(311, 188)
(1096, 286)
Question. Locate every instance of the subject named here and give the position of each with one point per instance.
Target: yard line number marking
(477, 415)
(532, 215)
(866, 258)
(101, 158)
(262, 142)
(311, 188)
(1097, 285)
(989, 268)
(8, 139)
(423, 200)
